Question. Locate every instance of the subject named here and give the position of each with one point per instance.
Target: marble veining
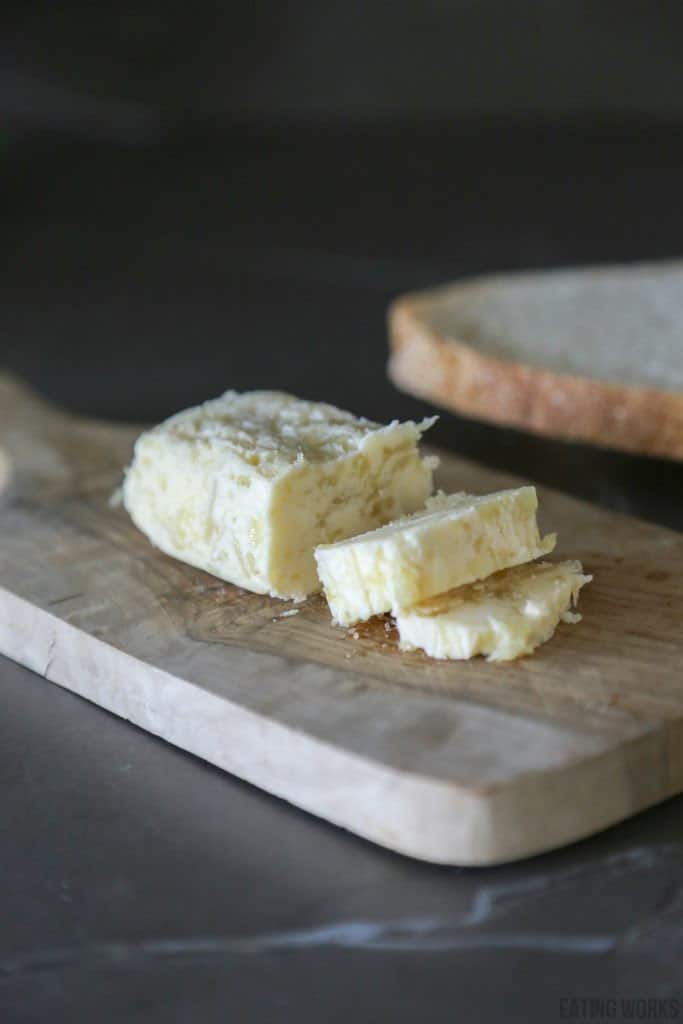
(659, 934)
(489, 900)
(434, 935)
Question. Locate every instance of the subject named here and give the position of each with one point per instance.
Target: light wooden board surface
(464, 763)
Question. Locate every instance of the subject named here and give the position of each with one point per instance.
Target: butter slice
(456, 539)
(503, 617)
(246, 485)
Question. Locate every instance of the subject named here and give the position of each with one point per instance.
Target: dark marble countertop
(139, 884)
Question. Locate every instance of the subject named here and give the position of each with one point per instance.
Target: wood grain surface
(464, 763)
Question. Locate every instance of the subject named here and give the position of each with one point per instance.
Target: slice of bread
(593, 354)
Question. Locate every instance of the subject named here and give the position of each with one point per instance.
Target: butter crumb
(116, 499)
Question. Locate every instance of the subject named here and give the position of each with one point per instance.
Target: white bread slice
(593, 354)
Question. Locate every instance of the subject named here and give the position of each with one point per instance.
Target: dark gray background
(361, 61)
(196, 198)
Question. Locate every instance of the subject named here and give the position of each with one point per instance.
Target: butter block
(456, 539)
(245, 486)
(505, 616)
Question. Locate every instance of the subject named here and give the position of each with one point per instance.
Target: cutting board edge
(415, 815)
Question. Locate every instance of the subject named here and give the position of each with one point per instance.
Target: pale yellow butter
(245, 486)
(456, 539)
(505, 616)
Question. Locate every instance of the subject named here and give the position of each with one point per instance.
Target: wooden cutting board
(462, 763)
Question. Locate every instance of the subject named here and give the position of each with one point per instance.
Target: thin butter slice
(456, 539)
(503, 617)
(246, 485)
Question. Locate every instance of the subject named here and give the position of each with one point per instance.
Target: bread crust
(453, 374)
